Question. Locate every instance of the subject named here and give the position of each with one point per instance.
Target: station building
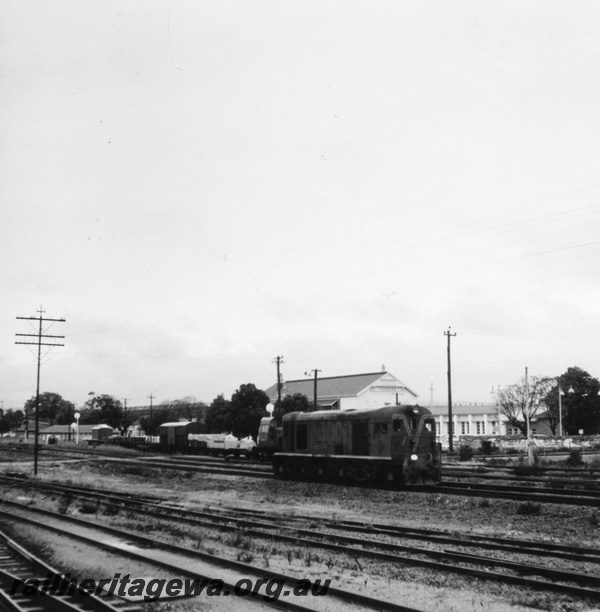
(355, 391)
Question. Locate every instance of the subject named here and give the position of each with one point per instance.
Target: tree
(107, 410)
(10, 419)
(189, 409)
(151, 425)
(580, 402)
(248, 407)
(298, 402)
(217, 415)
(52, 407)
(519, 401)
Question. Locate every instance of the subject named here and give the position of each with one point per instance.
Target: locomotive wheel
(308, 472)
(361, 474)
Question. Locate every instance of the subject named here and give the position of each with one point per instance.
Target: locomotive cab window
(384, 429)
(413, 423)
(301, 436)
(397, 424)
(429, 425)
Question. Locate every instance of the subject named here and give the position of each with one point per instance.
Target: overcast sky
(198, 187)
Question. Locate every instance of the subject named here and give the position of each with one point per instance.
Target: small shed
(101, 432)
(175, 435)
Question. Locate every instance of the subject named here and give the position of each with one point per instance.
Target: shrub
(465, 453)
(64, 503)
(88, 507)
(575, 458)
(245, 557)
(111, 510)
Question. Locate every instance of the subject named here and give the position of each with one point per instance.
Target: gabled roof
(334, 386)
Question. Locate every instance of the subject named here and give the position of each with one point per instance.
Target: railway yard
(492, 537)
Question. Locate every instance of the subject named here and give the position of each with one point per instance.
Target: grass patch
(529, 508)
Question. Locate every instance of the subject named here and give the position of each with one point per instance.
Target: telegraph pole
(124, 421)
(279, 361)
(40, 336)
(315, 385)
(450, 424)
(151, 397)
(530, 453)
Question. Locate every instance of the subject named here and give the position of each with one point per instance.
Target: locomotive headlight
(413, 457)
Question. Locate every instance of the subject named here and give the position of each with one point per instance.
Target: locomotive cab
(269, 437)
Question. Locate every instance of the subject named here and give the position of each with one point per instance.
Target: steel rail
(243, 568)
(435, 565)
(541, 494)
(575, 553)
(18, 559)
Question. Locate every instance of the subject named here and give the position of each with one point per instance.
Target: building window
(480, 426)
(464, 429)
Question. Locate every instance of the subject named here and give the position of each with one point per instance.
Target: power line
(450, 424)
(279, 361)
(315, 385)
(40, 336)
(151, 397)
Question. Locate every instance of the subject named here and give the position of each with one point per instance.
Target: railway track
(28, 583)
(558, 478)
(507, 492)
(333, 536)
(516, 493)
(579, 496)
(235, 572)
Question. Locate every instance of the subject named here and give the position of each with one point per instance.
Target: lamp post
(571, 392)
(77, 417)
(560, 392)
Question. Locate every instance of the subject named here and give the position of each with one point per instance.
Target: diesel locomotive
(393, 444)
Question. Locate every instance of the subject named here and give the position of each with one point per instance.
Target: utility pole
(315, 384)
(151, 397)
(528, 420)
(450, 424)
(40, 336)
(279, 361)
(124, 422)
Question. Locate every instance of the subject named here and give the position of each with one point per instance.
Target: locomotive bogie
(336, 468)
